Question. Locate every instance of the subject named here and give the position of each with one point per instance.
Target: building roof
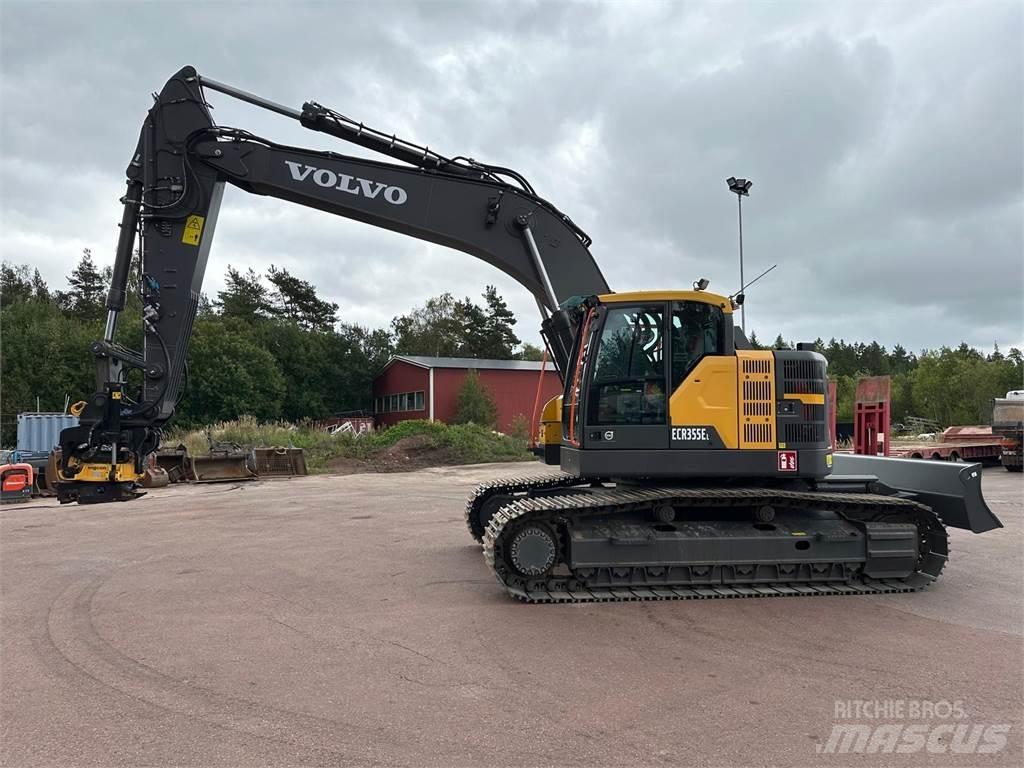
(424, 361)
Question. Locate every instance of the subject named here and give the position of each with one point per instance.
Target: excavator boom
(176, 181)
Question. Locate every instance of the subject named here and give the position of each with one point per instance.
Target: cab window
(696, 332)
(628, 381)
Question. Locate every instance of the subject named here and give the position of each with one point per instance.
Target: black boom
(175, 184)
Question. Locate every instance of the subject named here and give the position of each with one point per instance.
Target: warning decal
(787, 461)
(193, 230)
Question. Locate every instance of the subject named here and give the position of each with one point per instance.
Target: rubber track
(510, 485)
(857, 507)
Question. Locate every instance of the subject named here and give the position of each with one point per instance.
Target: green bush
(520, 427)
(474, 404)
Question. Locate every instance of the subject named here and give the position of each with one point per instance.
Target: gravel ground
(349, 620)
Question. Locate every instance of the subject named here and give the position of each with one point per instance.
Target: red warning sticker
(787, 461)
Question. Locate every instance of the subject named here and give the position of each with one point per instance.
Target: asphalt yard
(350, 620)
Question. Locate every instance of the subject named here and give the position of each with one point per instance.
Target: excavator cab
(655, 387)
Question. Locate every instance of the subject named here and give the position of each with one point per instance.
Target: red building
(413, 387)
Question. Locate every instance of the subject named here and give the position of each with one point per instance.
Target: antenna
(740, 295)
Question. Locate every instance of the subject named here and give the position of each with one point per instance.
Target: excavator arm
(175, 184)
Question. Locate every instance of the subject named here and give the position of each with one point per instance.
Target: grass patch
(452, 443)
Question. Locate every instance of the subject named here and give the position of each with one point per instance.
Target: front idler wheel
(532, 550)
(487, 511)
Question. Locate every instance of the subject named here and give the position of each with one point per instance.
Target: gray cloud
(884, 141)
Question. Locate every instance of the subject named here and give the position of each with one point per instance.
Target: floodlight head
(701, 284)
(739, 186)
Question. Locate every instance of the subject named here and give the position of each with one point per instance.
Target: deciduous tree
(530, 352)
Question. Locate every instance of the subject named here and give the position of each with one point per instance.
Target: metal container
(1008, 412)
(280, 462)
(41, 431)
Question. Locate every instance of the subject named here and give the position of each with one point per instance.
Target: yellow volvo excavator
(692, 466)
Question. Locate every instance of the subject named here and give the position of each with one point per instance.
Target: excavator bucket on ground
(225, 462)
(280, 462)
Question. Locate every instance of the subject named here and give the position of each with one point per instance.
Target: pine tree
(40, 290)
(16, 285)
(244, 296)
(874, 360)
(472, 333)
(296, 300)
(85, 299)
(205, 308)
(498, 339)
(449, 327)
(900, 361)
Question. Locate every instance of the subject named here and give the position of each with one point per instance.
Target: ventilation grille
(758, 433)
(802, 369)
(804, 387)
(757, 420)
(757, 398)
(804, 377)
(814, 413)
(798, 434)
(757, 366)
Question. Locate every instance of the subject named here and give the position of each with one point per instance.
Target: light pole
(741, 187)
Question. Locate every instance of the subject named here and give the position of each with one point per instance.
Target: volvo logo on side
(324, 177)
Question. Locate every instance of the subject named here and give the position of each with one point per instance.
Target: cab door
(703, 381)
(624, 387)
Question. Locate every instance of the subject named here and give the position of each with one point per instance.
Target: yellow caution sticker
(115, 395)
(193, 230)
(828, 460)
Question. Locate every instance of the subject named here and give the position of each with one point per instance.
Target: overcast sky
(885, 142)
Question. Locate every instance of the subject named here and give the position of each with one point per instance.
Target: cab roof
(639, 297)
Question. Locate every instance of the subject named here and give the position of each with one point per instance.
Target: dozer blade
(952, 490)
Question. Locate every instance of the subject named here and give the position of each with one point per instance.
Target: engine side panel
(708, 397)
